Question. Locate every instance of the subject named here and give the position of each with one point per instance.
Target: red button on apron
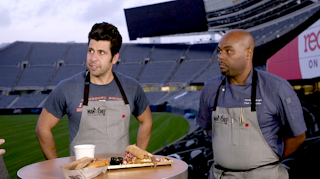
(247, 124)
(123, 116)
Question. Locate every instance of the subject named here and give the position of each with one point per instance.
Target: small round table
(50, 169)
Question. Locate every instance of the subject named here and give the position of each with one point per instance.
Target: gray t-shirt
(3, 170)
(67, 97)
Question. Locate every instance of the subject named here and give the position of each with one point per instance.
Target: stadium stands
(266, 12)
(77, 54)
(35, 77)
(47, 53)
(155, 96)
(211, 71)
(135, 52)
(280, 26)
(188, 69)
(232, 9)
(6, 100)
(190, 100)
(129, 69)
(201, 51)
(9, 57)
(29, 101)
(8, 77)
(168, 52)
(65, 72)
(157, 72)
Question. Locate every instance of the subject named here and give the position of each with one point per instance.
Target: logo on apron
(97, 111)
(220, 119)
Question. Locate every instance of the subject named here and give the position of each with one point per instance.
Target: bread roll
(98, 163)
(139, 153)
(84, 163)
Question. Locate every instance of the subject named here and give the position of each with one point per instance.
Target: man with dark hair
(98, 102)
(255, 117)
(3, 170)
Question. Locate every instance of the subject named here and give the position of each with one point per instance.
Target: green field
(23, 148)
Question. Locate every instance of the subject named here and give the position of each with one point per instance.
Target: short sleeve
(204, 112)
(140, 102)
(292, 113)
(56, 102)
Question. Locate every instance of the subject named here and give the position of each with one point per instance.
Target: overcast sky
(61, 20)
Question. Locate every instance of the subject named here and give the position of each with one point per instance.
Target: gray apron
(104, 123)
(239, 148)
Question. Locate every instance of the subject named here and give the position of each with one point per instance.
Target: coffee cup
(85, 150)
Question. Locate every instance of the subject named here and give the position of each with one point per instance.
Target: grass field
(23, 148)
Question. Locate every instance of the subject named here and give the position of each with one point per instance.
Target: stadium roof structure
(253, 14)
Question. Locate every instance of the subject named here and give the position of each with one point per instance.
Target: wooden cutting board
(139, 165)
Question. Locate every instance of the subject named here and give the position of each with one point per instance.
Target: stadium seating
(129, 69)
(77, 54)
(266, 12)
(211, 71)
(195, 149)
(157, 72)
(168, 52)
(65, 72)
(30, 101)
(47, 53)
(155, 96)
(189, 101)
(201, 51)
(6, 100)
(9, 76)
(232, 9)
(278, 27)
(35, 77)
(188, 69)
(9, 57)
(135, 52)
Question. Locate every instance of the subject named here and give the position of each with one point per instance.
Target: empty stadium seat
(9, 56)
(47, 53)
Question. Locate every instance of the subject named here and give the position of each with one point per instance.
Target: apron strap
(87, 84)
(86, 90)
(253, 91)
(217, 95)
(121, 89)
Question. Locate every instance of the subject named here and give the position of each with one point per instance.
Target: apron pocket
(221, 129)
(244, 135)
(115, 127)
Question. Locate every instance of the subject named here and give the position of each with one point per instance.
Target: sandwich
(87, 162)
(135, 155)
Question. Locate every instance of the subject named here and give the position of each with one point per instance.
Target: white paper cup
(85, 150)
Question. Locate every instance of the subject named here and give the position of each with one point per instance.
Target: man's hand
(145, 128)
(46, 123)
(2, 151)
(291, 144)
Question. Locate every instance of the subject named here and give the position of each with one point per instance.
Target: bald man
(255, 117)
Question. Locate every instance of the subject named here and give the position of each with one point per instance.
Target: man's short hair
(106, 31)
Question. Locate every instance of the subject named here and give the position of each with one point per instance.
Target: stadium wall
(300, 57)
